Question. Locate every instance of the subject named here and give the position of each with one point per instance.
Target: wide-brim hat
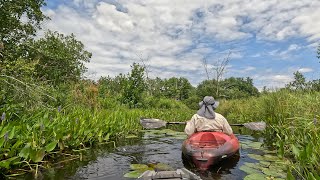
(207, 107)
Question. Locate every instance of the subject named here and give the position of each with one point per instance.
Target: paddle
(150, 123)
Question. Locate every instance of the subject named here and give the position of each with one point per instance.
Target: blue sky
(268, 40)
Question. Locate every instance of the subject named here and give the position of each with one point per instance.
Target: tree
(235, 88)
(19, 21)
(207, 88)
(133, 90)
(299, 82)
(60, 58)
(219, 67)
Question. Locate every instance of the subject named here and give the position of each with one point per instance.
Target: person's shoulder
(220, 116)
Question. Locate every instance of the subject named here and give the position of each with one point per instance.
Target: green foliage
(230, 88)
(135, 86)
(38, 136)
(235, 88)
(292, 118)
(299, 82)
(64, 62)
(207, 88)
(19, 20)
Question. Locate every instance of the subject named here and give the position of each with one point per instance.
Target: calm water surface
(109, 162)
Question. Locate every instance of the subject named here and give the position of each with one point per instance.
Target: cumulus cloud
(177, 35)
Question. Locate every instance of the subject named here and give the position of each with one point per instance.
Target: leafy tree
(207, 88)
(299, 82)
(60, 58)
(19, 21)
(234, 88)
(133, 90)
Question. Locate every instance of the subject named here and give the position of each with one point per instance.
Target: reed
(293, 127)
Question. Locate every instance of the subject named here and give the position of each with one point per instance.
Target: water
(107, 162)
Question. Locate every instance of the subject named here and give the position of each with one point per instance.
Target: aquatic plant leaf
(24, 153)
(249, 170)
(252, 165)
(6, 163)
(11, 134)
(255, 145)
(264, 163)
(37, 155)
(139, 166)
(256, 156)
(269, 157)
(163, 167)
(273, 172)
(295, 150)
(133, 174)
(1, 141)
(255, 176)
(50, 147)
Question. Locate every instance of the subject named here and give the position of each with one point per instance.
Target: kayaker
(207, 120)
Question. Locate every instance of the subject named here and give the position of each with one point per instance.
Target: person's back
(207, 120)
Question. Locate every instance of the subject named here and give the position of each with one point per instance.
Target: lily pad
(255, 176)
(133, 174)
(256, 156)
(273, 172)
(269, 157)
(264, 164)
(163, 167)
(139, 167)
(249, 170)
(252, 165)
(255, 145)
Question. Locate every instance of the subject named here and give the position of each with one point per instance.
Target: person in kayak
(207, 120)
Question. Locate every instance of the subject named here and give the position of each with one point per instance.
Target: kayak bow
(205, 149)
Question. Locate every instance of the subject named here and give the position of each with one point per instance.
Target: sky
(268, 40)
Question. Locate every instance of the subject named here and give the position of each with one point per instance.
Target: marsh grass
(293, 127)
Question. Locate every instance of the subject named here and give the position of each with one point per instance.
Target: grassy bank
(293, 126)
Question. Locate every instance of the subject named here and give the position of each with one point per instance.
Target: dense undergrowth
(293, 126)
(39, 126)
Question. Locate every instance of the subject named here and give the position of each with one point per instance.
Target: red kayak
(205, 149)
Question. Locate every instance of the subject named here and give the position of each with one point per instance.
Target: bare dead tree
(205, 65)
(219, 69)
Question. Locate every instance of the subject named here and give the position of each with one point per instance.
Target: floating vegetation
(148, 134)
(267, 166)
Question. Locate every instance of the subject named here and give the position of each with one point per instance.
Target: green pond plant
(293, 128)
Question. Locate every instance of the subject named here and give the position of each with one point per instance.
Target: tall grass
(293, 126)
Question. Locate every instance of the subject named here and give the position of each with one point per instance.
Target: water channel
(162, 146)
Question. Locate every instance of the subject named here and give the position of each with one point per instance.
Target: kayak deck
(205, 149)
(179, 174)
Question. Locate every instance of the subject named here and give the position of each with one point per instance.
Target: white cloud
(305, 70)
(176, 35)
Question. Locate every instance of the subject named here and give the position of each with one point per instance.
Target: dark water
(109, 162)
